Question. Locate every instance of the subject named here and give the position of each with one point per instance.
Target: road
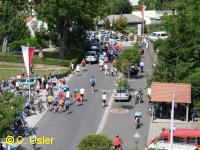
(68, 129)
(122, 122)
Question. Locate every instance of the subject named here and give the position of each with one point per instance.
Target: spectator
(194, 114)
(1, 146)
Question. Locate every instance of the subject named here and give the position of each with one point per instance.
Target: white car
(91, 56)
(157, 35)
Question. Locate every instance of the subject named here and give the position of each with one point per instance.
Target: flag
(142, 10)
(28, 53)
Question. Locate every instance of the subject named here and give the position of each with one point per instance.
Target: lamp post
(136, 137)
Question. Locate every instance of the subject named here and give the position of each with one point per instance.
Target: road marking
(105, 115)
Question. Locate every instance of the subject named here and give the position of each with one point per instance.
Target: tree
(12, 22)
(180, 54)
(122, 83)
(10, 106)
(130, 56)
(95, 142)
(120, 24)
(119, 6)
(194, 79)
(67, 21)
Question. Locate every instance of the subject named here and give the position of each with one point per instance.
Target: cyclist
(117, 142)
(50, 101)
(104, 97)
(93, 83)
(83, 63)
(82, 92)
(55, 103)
(138, 115)
(77, 69)
(61, 103)
(67, 104)
(77, 98)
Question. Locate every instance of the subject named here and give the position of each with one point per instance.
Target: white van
(166, 146)
(157, 35)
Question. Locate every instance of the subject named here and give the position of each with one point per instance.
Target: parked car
(122, 94)
(91, 56)
(132, 71)
(157, 35)
(25, 83)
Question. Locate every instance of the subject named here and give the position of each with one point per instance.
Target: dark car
(131, 72)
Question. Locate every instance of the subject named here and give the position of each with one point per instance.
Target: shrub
(37, 60)
(95, 142)
(122, 83)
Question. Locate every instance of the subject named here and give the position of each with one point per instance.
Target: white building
(34, 24)
(151, 16)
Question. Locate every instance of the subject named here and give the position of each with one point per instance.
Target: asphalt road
(121, 122)
(68, 129)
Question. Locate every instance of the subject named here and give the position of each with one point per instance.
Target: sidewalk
(34, 119)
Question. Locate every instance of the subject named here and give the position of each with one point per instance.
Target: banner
(28, 53)
(139, 29)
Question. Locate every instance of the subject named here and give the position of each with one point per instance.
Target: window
(177, 139)
(163, 34)
(192, 140)
(163, 139)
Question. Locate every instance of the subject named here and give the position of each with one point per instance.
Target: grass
(8, 66)
(7, 73)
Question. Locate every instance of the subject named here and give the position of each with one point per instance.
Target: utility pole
(172, 124)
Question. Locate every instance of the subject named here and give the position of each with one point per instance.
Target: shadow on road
(129, 107)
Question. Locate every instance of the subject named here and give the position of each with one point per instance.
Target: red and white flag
(142, 8)
(28, 53)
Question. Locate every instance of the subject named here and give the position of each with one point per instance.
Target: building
(152, 16)
(131, 19)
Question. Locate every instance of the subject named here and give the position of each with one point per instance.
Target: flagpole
(172, 124)
(29, 84)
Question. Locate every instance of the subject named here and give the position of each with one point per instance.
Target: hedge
(37, 60)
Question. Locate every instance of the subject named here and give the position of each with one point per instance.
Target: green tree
(12, 20)
(67, 21)
(130, 56)
(10, 107)
(180, 53)
(120, 24)
(95, 142)
(122, 83)
(119, 7)
(194, 79)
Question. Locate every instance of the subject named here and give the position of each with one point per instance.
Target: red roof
(182, 132)
(163, 92)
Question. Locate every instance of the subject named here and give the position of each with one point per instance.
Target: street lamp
(136, 137)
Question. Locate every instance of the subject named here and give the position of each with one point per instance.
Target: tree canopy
(179, 55)
(67, 20)
(10, 107)
(12, 20)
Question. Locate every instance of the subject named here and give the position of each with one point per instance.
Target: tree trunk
(4, 47)
(64, 46)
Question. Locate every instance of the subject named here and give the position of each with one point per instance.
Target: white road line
(105, 115)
